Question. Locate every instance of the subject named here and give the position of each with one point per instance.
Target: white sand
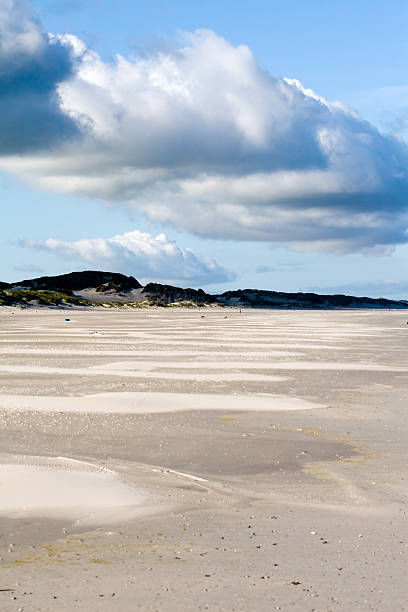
(202, 348)
(289, 504)
(164, 353)
(145, 403)
(147, 366)
(130, 366)
(144, 370)
(65, 489)
(141, 373)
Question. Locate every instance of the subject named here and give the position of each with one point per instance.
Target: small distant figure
(203, 316)
(226, 317)
(67, 319)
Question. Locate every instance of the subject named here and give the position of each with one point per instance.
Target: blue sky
(338, 234)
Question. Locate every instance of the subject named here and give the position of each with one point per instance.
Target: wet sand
(180, 460)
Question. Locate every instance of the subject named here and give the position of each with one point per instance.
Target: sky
(220, 145)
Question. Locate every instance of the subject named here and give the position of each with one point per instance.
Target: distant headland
(91, 289)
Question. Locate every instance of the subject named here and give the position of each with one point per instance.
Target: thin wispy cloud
(62, 7)
(262, 269)
(141, 255)
(29, 269)
(379, 288)
(200, 137)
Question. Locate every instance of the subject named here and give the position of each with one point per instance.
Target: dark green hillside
(29, 297)
(77, 281)
(168, 293)
(260, 298)
(116, 290)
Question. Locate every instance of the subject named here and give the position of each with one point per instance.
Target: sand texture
(182, 460)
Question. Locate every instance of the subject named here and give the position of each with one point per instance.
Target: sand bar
(148, 403)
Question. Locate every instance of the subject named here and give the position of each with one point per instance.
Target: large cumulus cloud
(205, 139)
(32, 64)
(139, 254)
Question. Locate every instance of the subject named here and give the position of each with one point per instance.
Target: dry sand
(166, 460)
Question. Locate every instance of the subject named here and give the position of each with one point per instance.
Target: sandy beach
(172, 459)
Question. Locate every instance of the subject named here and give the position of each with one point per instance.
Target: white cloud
(203, 138)
(20, 35)
(141, 255)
